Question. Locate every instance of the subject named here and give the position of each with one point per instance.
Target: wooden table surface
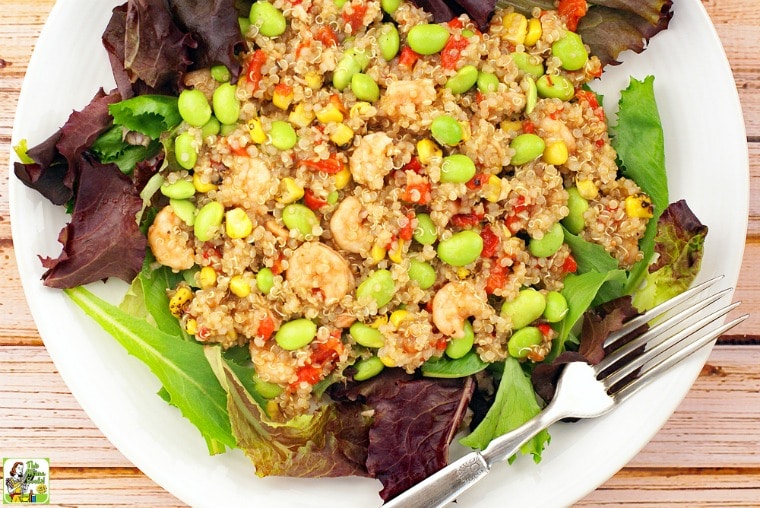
(708, 454)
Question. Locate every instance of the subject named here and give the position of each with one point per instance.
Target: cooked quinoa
(367, 188)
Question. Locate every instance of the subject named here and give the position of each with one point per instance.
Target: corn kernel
(534, 32)
(463, 273)
(330, 114)
(290, 191)
(466, 131)
(343, 135)
(239, 286)
(387, 361)
(397, 254)
(207, 277)
(237, 224)
(377, 253)
(313, 80)
(492, 189)
(256, 131)
(427, 150)
(191, 327)
(300, 116)
(556, 153)
(515, 28)
(587, 189)
(379, 321)
(361, 109)
(511, 125)
(177, 302)
(273, 409)
(282, 96)
(342, 178)
(202, 186)
(639, 206)
(232, 335)
(398, 316)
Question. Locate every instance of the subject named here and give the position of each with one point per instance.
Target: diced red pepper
(455, 23)
(490, 242)
(452, 50)
(407, 231)
(309, 373)
(466, 220)
(413, 165)
(326, 36)
(572, 11)
(277, 265)
(570, 265)
(512, 222)
(441, 344)
(479, 97)
(478, 181)
(418, 193)
(408, 57)
(312, 201)
(331, 165)
(545, 329)
(356, 18)
(266, 327)
(327, 351)
(497, 277)
(593, 103)
(528, 127)
(242, 151)
(253, 69)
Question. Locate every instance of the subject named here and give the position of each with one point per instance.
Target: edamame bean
(220, 73)
(460, 346)
(368, 368)
(283, 135)
(265, 280)
(527, 147)
(244, 24)
(296, 334)
(389, 41)
(366, 336)
(184, 150)
(528, 306)
(184, 209)
(532, 96)
(548, 244)
(464, 79)
(193, 107)
(556, 307)
(379, 286)
(427, 39)
(266, 389)
(181, 189)
(528, 64)
(555, 86)
(425, 233)
(487, 82)
(390, 6)
(227, 129)
(211, 128)
(207, 221)
(577, 206)
(570, 51)
(446, 130)
(344, 71)
(339, 3)
(268, 18)
(461, 249)
(523, 340)
(299, 217)
(422, 273)
(226, 104)
(457, 168)
(364, 87)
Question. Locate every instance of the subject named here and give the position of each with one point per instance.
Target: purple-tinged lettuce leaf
(441, 10)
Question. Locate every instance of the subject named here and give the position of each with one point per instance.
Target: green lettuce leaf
(112, 147)
(580, 292)
(445, 367)
(148, 114)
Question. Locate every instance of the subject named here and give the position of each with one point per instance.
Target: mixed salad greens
(107, 179)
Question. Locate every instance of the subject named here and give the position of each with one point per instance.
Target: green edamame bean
(220, 73)
(364, 87)
(527, 147)
(226, 104)
(361, 55)
(193, 107)
(549, 244)
(184, 209)
(555, 87)
(283, 135)
(427, 39)
(577, 204)
(457, 168)
(425, 233)
(464, 79)
(461, 249)
(366, 336)
(265, 280)
(368, 368)
(528, 64)
(266, 389)
(389, 41)
(333, 197)
(460, 346)
(211, 128)
(570, 51)
(446, 130)
(556, 307)
(528, 306)
(207, 221)
(521, 342)
(390, 6)
(339, 3)
(227, 129)
(379, 286)
(344, 71)
(487, 82)
(270, 20)
(299, 217)
(184, 150)
(181, 189)
(531, 97)
(422, 273)
(244, 24)
(296, 334)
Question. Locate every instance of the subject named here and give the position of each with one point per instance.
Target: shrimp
(371, 160)
(347, 228)
(455, 302)
(316, 268)
(556, 130)
(170, 240)
(248, 184)
(406, 98)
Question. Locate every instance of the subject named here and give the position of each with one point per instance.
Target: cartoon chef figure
(16, 483)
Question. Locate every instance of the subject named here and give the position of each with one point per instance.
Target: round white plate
(695, 92)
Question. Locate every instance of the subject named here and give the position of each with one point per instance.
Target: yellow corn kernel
(511, 125)
(290, 191)
(639, 206)
(427, 150)
(387, 361)
(515, 28)
(191, 327)
(343, 135)
(492, 189)
(398, 316)
(463, 273)
(587, 189)
(256, 131)
(202, 186)
(466, 131)
(342, 178)
(232, 335)
(397, 254)
(239, 286)
(534, 32)
(179, 299)
(237, 224)
(207, 277)
(379, 321)
(300, 116)
(282, 96)
(556, 153)
(377, 253)
(361, 109)
(330, 114)
(313, 80)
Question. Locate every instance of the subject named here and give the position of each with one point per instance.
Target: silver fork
(589, 391)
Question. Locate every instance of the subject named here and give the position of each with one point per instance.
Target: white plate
(695, 91)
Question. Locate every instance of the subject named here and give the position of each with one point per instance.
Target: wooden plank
(84, 487)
